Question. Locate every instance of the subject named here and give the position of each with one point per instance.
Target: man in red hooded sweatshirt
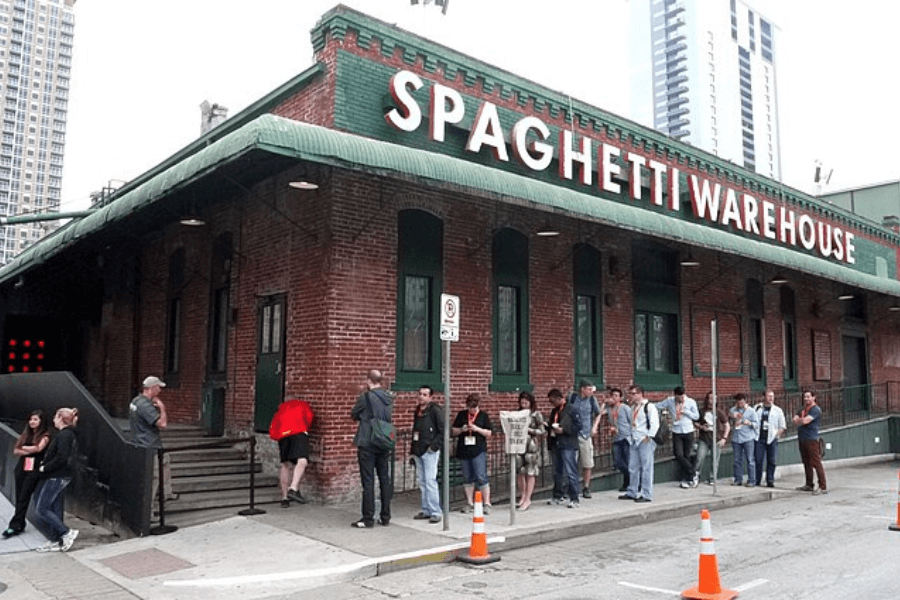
(290, 428)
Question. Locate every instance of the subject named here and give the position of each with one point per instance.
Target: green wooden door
(269, 360)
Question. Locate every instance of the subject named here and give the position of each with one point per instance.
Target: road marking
(322, 572)
(647, 588)
(751, 584)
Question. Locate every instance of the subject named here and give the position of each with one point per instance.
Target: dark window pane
(641, 362)
(415, 324)
(507, 329)
(585, 319)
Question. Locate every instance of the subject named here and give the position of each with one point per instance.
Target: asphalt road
(835, 546)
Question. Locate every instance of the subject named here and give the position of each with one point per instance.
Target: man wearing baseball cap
(146, 416)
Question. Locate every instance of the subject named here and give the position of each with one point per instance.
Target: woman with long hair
(705, 426)
(30, 448)
(528, 463)
(57, 472)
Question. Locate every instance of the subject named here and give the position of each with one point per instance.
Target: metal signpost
(714, 345)
(449, 333)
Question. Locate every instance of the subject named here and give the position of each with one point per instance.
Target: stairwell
(212, 483)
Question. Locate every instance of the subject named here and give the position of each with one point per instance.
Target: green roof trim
(338, 149)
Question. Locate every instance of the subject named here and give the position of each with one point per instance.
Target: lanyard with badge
(469, 440)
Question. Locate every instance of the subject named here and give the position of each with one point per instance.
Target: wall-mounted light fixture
(547, 230)
(689, 260)
(779, 279)
(192, 221)
(304, 185)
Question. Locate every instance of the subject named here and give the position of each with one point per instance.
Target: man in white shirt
(644, 425)
(772, 425)
(684, 412)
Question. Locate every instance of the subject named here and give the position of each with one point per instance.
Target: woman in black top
(57, 473)
(30, 448)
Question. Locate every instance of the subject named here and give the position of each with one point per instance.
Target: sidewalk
(303, 547)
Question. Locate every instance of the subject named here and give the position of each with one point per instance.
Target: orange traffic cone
(709, 587)
(478, 552)
(896, 526)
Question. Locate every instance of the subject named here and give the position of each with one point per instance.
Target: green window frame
(657, 317)
(420, 251)
(510, 322)
(756, 337)
(588, 337)
(789, 338)
(174, 317)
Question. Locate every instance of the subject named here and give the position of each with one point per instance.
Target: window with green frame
(789, 337)
(174, 310)
(510, 298)
(420, 264)
(657, 349)
(587, 329)
(756, 335)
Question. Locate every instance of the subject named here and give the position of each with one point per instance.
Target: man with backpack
(644, 426)
(374, 403)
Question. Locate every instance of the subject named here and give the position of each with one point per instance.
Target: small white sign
(515, 428)
(449, 318)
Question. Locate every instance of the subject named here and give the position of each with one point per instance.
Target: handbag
(382, 434)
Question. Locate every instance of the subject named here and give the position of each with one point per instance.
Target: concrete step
(208, 454)
(212, 467)
(183, 485)
(194, 501)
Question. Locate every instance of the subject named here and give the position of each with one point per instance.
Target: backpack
(662, 434)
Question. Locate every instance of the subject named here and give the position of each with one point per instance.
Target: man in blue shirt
(589, 419)
(644, 425)
(618, 417)
(807, 422)
(684, 412)
(744, 427)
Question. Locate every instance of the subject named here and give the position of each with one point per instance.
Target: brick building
(439, 173)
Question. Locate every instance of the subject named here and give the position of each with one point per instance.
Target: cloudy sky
(141, 70)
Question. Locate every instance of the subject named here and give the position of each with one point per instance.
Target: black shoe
(770, 484)
(642, 499)
(586, 492)
(421, 517)
(362, 525)
(285, 503)
(626, 497)
(384, 522)
(10, 532)
(296, 496)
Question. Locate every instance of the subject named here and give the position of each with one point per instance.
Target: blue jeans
(427, 467)
(640, 469)
(704, 450)
(766, 457)
(372, 461)
(569, 459)
(743, 451)
(474, 470)
(48, 506)
(620, 452)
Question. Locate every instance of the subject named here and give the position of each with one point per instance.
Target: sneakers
(749, 484)
(49, 547)
(466, 509)
(9, 532)
(296, 496)
(434, 519)
(737, 483)
(586, 492)
(285, 503)
(819, 491)
(696, 480)
(626, 497)
(642, 499)
(685, 485)
(421, 516)
(362, 525)
(573, 504)
(487, 509)
(804, 488)
(68, 539)
(556, 501)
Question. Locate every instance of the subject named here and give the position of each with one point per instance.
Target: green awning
(329, 147)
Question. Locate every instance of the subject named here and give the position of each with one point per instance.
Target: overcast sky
(141, 69)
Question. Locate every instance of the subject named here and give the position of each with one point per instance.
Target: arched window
(588, 337)
(756, 335)
(420, 279)
(789, 337)
(657, 349)
(510, 269)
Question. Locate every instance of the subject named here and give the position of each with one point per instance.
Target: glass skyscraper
(35, 62)
(704, 72)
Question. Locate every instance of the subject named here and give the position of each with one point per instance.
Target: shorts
(293, 448)
(585, 453)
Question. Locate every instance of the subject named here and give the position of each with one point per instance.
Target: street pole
(445, 476)
(714, 345)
